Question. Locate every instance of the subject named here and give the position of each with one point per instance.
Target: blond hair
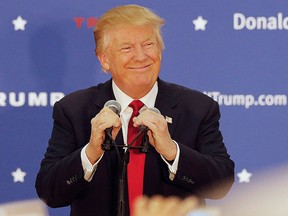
(134, 15)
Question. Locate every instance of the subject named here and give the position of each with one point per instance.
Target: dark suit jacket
(204, 162)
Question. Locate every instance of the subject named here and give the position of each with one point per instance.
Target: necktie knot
(136, 105)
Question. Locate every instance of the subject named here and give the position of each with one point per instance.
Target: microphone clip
(106, 146)
(145, 143)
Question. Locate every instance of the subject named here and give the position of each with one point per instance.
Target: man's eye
(148, 45)
(125, 49)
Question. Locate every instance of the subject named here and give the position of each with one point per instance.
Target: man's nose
(139, 53)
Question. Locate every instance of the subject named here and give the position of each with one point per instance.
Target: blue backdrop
(234, 51)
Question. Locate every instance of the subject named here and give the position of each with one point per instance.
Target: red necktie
(135, 173)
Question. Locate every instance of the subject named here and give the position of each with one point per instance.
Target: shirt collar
(124, 100)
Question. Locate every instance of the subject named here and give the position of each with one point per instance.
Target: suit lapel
(166, 103)
(104, 93)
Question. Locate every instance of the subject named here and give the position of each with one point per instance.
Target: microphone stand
(123, 164)
(122, 183)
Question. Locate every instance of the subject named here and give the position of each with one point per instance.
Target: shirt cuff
(174, 166)
(89, 169)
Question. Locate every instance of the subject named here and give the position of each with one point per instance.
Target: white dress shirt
(125, 114)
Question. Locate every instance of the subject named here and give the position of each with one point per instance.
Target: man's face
(133, 57)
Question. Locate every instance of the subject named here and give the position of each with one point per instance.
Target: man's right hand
(106, 118)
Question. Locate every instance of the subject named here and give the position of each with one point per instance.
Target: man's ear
(104, 62)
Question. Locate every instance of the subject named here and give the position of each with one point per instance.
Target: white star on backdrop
(200, 23)
(244, 176)
(18, 175)
(19, 23)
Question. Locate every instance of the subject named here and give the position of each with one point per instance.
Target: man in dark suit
(187, 155)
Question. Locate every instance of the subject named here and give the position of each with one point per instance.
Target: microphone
(116, 108)
(144, 129)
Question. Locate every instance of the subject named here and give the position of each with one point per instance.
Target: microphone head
(114, 106)
(145, 128)
(154, 109)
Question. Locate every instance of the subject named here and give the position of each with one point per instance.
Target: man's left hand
(158, 133)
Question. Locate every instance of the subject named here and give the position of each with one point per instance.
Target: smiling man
(133, 57)
(187, 156)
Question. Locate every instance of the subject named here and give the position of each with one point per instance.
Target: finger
(108, 115)
(151, 138)
(170, 206)
(106, 118)
(140, 206)
(187, 205)
(150, 119)
(155, 205)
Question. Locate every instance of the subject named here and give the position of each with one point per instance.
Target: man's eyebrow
(125, 43)
(149, 37)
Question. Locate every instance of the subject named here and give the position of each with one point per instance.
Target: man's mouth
(140, 67)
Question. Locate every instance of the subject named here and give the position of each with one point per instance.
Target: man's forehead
(138, 38)
(128, 34)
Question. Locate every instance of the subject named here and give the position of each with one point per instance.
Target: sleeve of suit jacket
(205, 167)
(61, 178)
